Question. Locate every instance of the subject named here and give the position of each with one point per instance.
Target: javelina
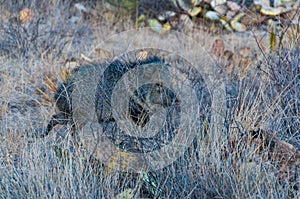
(88, 94)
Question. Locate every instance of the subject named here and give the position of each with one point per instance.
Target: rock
(215, 3)
(222, 9)
(212, 15)
(233, 6)
(166, 15)
(262, 2)
(237, 26)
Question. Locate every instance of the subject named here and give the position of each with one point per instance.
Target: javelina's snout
(145, 98)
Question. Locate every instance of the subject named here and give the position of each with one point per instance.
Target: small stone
(237, 26)
(270, 11)
(194, 11)
(262, 2)
(166, 15)
(215, 3)
(197, 2)
(233, 6)
(222, 9)
(230, 14)
(155, 25)
(212, 15)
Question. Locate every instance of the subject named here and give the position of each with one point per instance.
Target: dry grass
(246, 161)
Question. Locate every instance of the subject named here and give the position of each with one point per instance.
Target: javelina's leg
(60, 118)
